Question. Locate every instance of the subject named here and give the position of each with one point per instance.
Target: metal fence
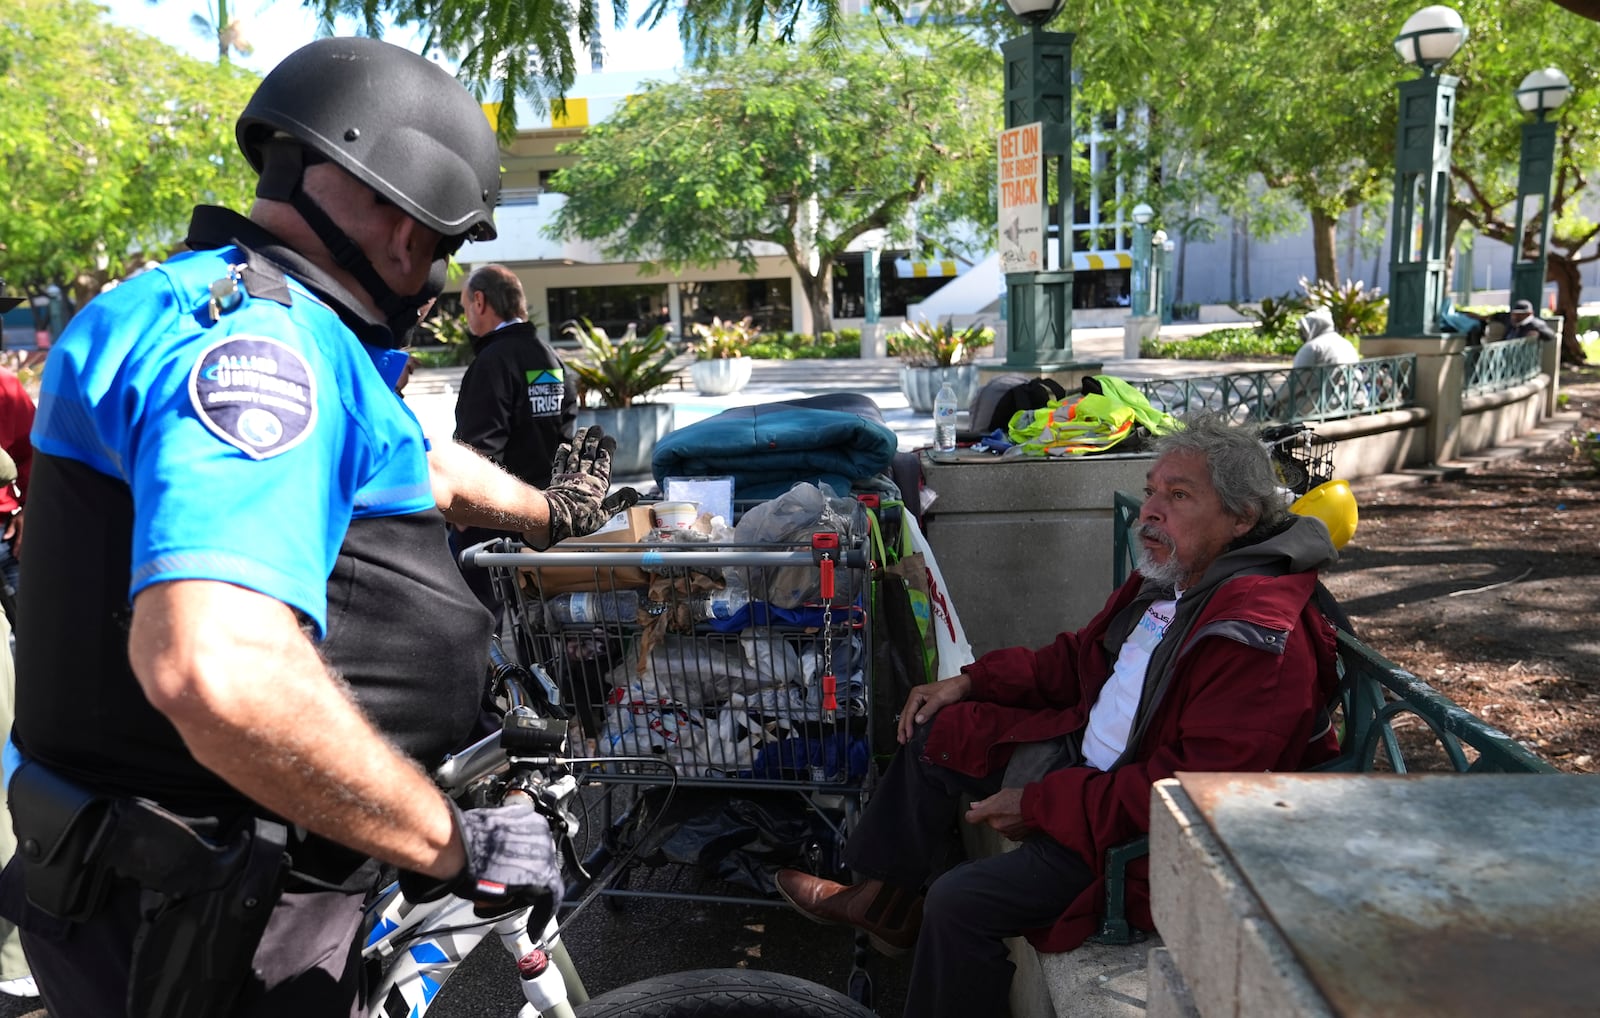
(1493, 367)
(1287, 395)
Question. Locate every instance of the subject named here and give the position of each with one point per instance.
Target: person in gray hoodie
(1320, 343)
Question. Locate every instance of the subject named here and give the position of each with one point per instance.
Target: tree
(1299, 95)
(217, 25)
(109, 139)
(525, 47)
(1489, 131)
(777, 145)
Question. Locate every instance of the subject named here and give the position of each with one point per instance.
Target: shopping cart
(721, 670)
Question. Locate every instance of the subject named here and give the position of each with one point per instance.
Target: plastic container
(944, 418)
(675, 515)
(621, 606)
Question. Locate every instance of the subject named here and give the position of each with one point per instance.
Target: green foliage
(439, 356)
(108, 141)
(522, 49)
(1356, 310)
(1586, 446)
(749, 150)
(1274, 316)
(451, 334)
(1224, 345)
(721, 340)
(929, 344)
(624, 371)
(793, 346)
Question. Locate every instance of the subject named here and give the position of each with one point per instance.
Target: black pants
(906, 835)
(308, 963)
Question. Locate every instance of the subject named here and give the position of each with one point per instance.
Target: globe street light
(1038, 91)
(1540, 93)
(1139, 299)
(1422, 172)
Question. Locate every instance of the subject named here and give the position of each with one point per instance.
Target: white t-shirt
(1111, 717)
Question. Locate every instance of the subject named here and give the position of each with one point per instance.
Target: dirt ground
(1487, 587)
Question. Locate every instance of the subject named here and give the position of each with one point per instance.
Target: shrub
(1274, 316)
(1223, 344)
(929, 344)
(1356, 310)
(623, 371)
(450, 333)
(721, 340)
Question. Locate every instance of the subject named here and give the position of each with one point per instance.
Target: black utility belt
(205, 902)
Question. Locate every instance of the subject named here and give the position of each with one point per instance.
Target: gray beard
(1170, 573)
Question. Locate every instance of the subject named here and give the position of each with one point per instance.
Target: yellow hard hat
(1334, 504)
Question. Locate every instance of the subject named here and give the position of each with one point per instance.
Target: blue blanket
(834, 439)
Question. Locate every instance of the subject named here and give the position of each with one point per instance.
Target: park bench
(1107, 976)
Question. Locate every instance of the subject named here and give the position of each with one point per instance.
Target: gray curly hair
(1241, 471)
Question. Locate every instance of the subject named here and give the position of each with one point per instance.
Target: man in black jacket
(517, 402)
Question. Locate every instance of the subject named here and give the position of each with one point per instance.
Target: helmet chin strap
(282, 174)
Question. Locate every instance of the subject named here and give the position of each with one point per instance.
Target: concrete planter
(721, 376)
(637, 429)
(921, 384)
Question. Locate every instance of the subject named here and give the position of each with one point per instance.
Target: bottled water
(944, 419)
(619, 606)
(718, 604)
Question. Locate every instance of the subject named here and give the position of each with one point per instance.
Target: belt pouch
(61, 829)
(193, 952)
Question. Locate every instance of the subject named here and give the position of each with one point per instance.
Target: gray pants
(907, 834)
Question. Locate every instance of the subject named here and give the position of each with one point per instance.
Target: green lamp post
(1540, 93)
(1139, 298)
(1417, 279)
(1038, 90)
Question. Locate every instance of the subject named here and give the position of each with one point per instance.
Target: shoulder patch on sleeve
(255, 393)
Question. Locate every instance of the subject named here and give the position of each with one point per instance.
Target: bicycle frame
(428, 941)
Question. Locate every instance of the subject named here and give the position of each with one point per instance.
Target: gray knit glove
(579, 477)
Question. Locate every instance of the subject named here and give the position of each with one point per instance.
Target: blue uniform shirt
(258, 443)
(249, 442)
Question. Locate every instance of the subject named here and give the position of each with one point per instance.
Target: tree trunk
(1569, 286)
(1325, 245)
(1244, 257)
(819, 296)
(1233, 263)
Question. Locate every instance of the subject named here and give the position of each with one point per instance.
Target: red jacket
(1253, 671)
(16, 420)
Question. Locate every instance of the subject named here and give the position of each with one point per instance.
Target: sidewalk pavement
(432, 391)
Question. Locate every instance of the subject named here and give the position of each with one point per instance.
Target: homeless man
(1212, 657)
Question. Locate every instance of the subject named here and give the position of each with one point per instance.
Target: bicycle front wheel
(723, 993)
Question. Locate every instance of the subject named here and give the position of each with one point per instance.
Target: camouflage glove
(579, 477)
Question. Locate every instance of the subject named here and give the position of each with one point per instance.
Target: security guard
(251, 639)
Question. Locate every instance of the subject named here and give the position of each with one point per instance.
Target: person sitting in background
(1320, 343)
(1212, 657)
(1524, 323)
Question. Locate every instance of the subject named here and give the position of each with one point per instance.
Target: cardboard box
(631, 527)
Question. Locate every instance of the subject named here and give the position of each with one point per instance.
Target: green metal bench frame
(1373, 692)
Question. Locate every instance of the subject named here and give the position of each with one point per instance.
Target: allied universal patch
(255, 393)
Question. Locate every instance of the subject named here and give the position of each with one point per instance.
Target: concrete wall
(996, 521)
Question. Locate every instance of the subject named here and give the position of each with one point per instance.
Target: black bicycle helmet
(397, 122)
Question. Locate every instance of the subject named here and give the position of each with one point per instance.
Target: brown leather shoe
(890, 916)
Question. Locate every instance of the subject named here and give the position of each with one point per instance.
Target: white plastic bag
(954, 650)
